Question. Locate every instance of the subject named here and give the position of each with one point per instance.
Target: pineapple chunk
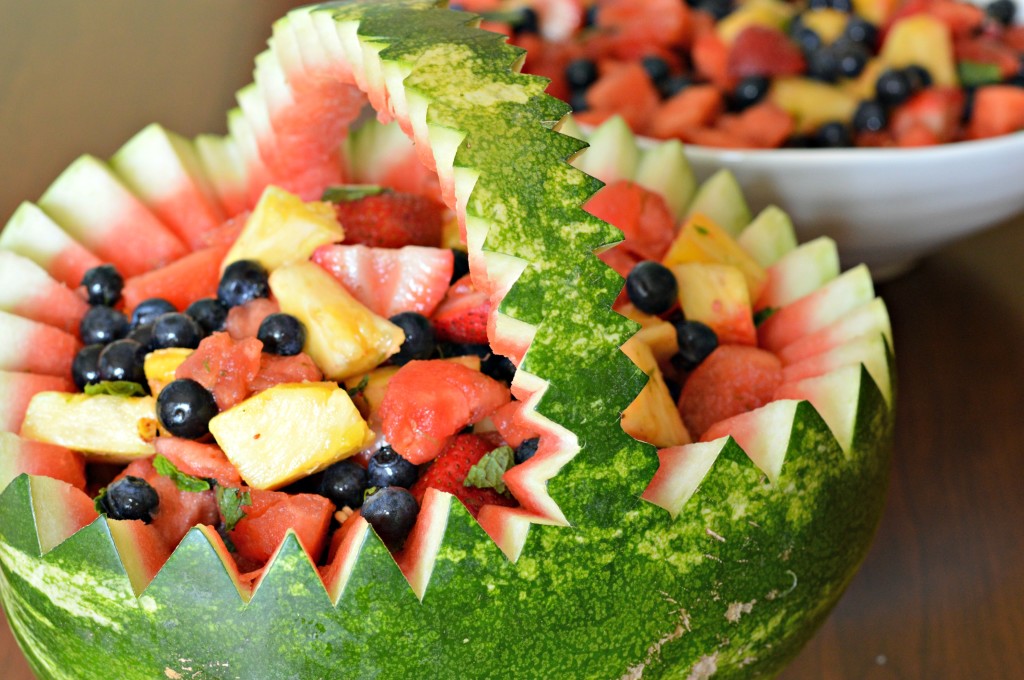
(924, 40)
(343, 337)
(716, 294)
(105, 428)
(282, 228)
(161, 365)
(767, 13)
(829, 24)
(701, 240)
(812, 103)
(290, 431)
(653, 416)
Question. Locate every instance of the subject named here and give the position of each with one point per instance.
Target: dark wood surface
(941, 594)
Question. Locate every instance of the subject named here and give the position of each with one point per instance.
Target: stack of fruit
(771, 73)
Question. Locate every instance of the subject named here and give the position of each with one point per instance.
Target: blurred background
(82, 77)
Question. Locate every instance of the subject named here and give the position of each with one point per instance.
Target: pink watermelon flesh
(36, 347)
(29, 292)
(17, 390)
(181, 282)
(188, 213)
(388, 280)
(37, 458)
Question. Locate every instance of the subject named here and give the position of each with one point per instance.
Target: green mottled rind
(625, 590)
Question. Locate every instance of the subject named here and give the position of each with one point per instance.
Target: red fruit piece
(642, 215)
(636, 27)
(695, 107)
(198, 460)
(225, 367)
(987, 50)
(387, 280)
(626, 89)
(733, 379)
(763, 125)
(19, 455)
(462, 316)
(179, 510)
(998, 110)
(275, 370)
(244, 321)
(449, 471)
(511, 425)
(710, 57)
(391, 220)
(181, 283)
(426, 402)
(763, 51)
(271, 515)
(936, 111)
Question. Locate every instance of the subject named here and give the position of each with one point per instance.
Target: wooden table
(941, 595)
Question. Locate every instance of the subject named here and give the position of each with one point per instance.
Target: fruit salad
(772, 73)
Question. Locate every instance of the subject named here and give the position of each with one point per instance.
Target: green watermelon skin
(731, 587)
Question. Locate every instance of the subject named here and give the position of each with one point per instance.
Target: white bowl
(884, 207)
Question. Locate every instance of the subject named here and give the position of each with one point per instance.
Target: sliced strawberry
(391, 220)
(936, 110)
(642, 215)
(448, 473)
(390, 281)
(244, 321)
(462, 316)
(224, 366)
(426, 402)
(763, 51)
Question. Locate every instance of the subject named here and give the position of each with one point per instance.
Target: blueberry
(578, 101)
(892, 88)
(184, 408)
(282, 334)
(719, 9)
(344, 483)
(918, 77)
(148, 310)
(580, 74)
(85, 367)
(492, 365)
(419, 338)
(823, 64)
(798, 141)
(968, 111)
(804, 36)
(391, 512)
(242, 281)
(102, 325)
(870, 116)
(123, 360)
(651, 287)
(388, 468)
(130, 498)
(750, 91)
(590, 16)
(103, 285)
(696, 342)
(176, 330)
(833, 135)
(1002, 11)
(673, 85)
(840, 5)
(143, 335)
(460, 264)
(209, 313)
(861, 31)
(657, 68)
(527, 22)
(526, 449)
(851, 58)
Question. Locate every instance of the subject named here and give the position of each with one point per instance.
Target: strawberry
(462, 315)
(449, 471)
(391, 219)
(762, 51)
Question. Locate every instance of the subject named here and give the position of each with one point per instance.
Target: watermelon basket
(717, 558)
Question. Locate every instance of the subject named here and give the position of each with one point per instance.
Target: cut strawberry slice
(448, 473)
(391, 220)
(462, 316)
(426, 402)
(390, 281)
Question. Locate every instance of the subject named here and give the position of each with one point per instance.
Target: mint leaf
(487, 473)
(116, 388)
(344, 193)
(98, 502)
(973, 73)
(762, 315)
(230, 502)
(360, 388)
(183, 481)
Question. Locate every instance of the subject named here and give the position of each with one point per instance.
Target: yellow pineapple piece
(161, 364)
(863, 86)
(653, 416)
(716, 294)
(343, 336)
(105, 428)
(290, 431)
(875, 11)
(661, 339)
(812, 103)
(767, 13)
(829, 24)
(283, 228)
(923, 40)
(701, 240)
